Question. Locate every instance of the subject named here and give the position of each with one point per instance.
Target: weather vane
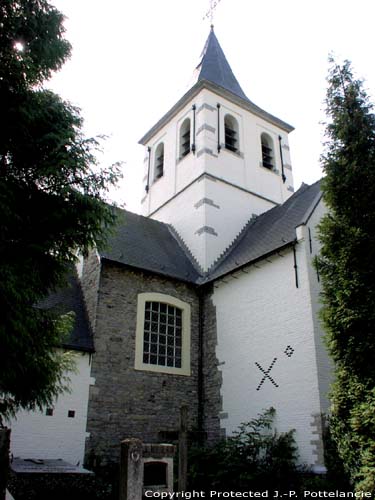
(210, 13)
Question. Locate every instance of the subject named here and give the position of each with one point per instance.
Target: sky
(133, 60)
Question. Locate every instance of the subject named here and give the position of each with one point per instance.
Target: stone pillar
(4, 460)
(131, 470)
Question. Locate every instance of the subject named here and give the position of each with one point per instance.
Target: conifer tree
(347, 267)
(51, 200)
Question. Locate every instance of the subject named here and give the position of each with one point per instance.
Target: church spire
(215, 68)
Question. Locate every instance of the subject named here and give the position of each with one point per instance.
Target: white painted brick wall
(36, 435)
(259, 314)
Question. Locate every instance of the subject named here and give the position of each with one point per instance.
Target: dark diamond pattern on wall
(289, 351)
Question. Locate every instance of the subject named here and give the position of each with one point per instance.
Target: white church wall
(245, 170)
(264, 322)
(228, 216)
(312, 247)
(37, 435)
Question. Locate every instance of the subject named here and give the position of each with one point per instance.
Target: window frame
(185, 332)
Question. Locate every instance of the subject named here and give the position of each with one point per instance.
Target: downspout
(295, 265)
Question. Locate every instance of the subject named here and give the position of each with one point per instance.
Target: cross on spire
(210, 13)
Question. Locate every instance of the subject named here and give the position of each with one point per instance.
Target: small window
(268, 159)
(231, 134)
(71, 414)
(49, 412)
(159, 161)
(163, 334)
(185, 138)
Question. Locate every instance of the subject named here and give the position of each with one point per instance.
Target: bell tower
(214, 161)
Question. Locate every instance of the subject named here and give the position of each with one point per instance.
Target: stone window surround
(186, 334)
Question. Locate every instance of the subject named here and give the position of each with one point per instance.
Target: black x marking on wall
(266, 374)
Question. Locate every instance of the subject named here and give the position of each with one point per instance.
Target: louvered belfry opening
(159, 161)
(231, 134)
(185, 138)
(267, 152)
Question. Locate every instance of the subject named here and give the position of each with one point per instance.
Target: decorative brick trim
(206, 229)
(206, 201)
(291, 189)
(285, 146)
(205, 126)
(207, 151)
(287, 166)
(317, 425)
(205, 106)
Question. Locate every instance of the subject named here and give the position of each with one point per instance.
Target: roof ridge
(236, 241)
(181, 242)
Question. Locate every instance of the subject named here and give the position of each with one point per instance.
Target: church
(209, 300)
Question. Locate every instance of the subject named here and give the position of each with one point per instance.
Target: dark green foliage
(347, 268)
(256, 458)
(51, 200)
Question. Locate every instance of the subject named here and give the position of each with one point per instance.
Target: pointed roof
(214, 73)
(215, 68)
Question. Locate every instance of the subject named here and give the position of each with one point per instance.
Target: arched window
(268, 159)
(231, 134)
(159, 161)
(185, 138)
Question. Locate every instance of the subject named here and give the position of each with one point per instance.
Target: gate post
(131, 470)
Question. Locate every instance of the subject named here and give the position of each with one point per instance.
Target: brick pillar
(131, 470)
(4, 460)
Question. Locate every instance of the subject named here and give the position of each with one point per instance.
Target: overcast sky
(132, 60)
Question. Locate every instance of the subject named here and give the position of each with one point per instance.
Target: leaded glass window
(162, 340)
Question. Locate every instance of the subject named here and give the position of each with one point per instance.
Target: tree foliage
(256, 458)
(347, 267)
(51, 200)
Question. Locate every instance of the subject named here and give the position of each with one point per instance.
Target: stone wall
(212, 377)
(125, 402)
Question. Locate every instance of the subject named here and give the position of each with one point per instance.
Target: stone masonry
(125, 402)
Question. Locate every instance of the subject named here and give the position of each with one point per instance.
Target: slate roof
(150, 245)
(70, 298)
(268, 232)
(214, 72)
(215, 68)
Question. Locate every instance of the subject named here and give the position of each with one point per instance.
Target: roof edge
(209, 279)
(221, 91)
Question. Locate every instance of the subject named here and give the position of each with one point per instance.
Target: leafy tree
(256, 458)
(51, 200)
(347, 267)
